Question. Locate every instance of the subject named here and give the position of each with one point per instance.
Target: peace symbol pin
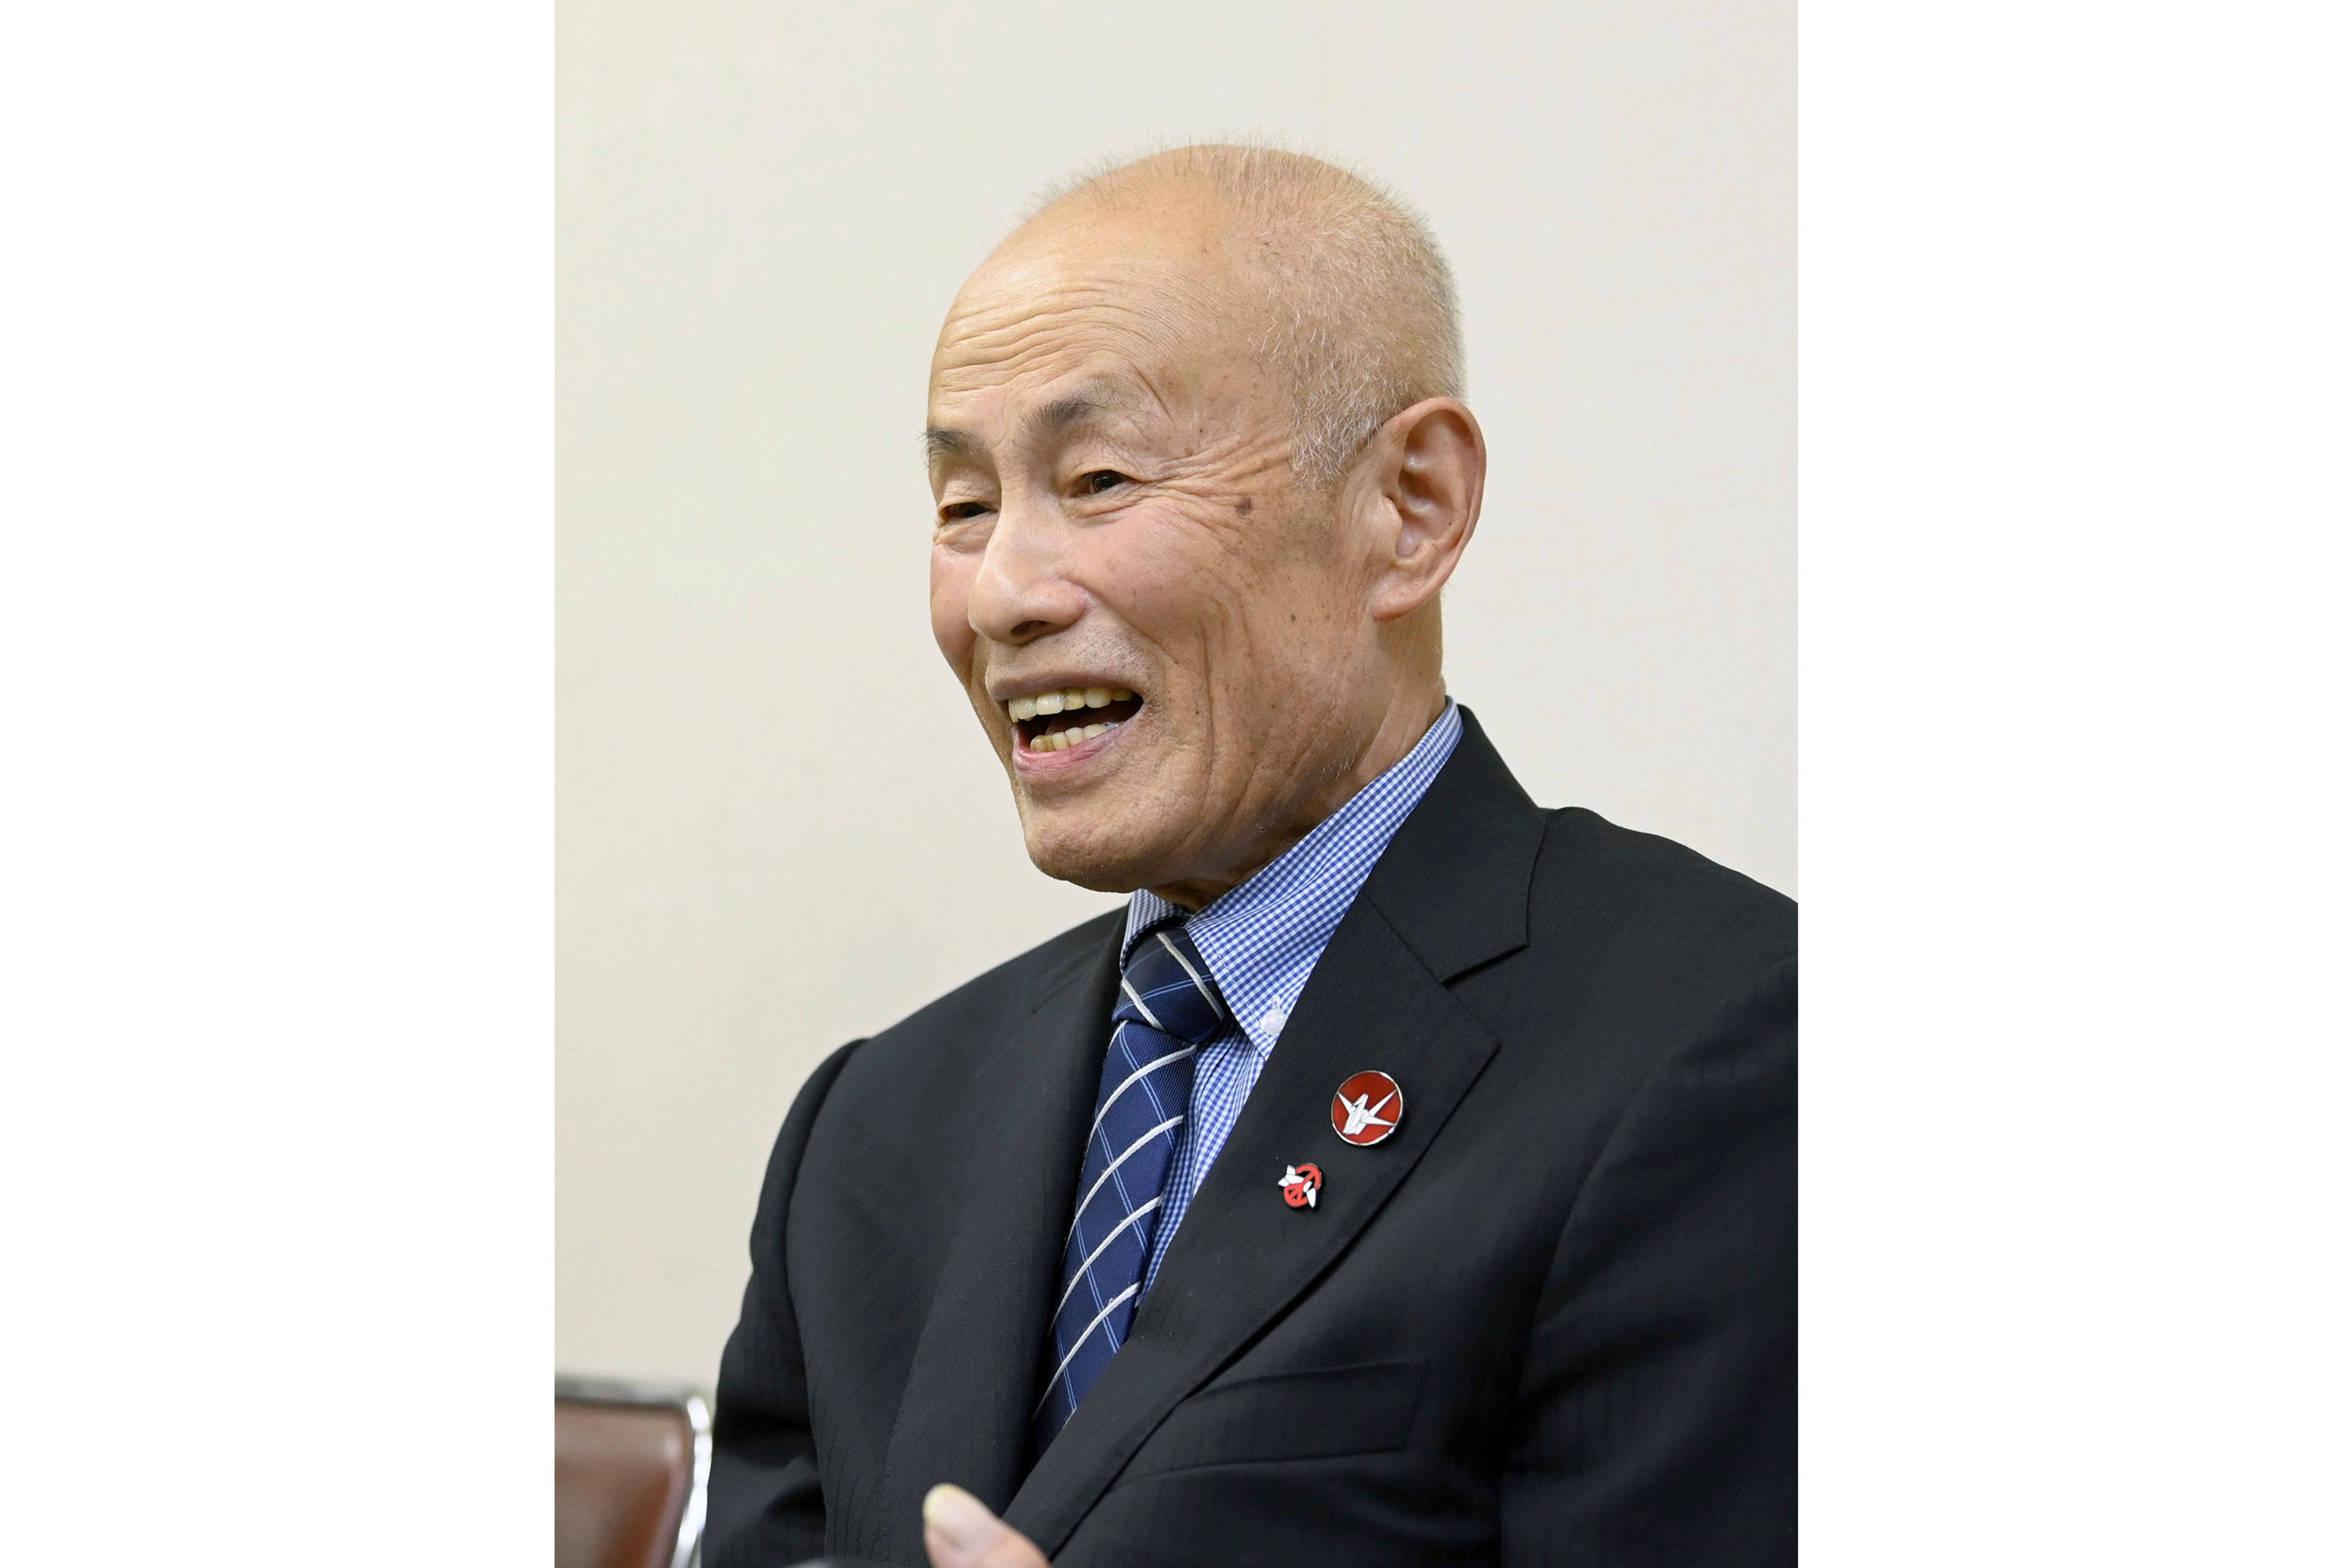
(1300, 1184)
(1367, 1109)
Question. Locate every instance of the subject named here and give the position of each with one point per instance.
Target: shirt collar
(1261, 940)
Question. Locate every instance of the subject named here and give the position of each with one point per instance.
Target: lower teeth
(1063, 740)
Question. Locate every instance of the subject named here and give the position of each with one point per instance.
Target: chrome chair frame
(688, 1400)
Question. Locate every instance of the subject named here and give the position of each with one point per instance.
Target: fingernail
(955, 1513)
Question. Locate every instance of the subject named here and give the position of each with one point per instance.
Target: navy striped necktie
(1167, 1006)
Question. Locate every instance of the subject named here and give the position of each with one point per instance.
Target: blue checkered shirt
(1261, 941)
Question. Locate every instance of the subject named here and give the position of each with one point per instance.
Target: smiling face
(1172, 641)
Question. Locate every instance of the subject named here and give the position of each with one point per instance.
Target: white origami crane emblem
(1358, 1118)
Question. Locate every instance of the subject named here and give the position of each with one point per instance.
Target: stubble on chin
(1098, 849)
(1081, 864)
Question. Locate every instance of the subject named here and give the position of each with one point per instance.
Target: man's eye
(1102, 479)
(963, 511)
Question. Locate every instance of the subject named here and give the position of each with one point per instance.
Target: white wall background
(777, 826)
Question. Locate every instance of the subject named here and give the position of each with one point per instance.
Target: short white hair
(1363, 317)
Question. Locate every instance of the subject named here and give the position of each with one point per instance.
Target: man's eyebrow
(1084, 403)
(1075, 407)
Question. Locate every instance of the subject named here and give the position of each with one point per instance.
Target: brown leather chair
(631, 1462)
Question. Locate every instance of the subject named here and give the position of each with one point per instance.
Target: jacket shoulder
(979, 1010)
(1652, 910)
(1584, 849)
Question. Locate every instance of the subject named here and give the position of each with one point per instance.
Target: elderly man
(1407, 1174)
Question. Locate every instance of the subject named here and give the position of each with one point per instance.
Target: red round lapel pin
(1300, 1184)
(1367, 1109)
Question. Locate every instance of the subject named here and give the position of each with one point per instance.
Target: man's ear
(1418, 486)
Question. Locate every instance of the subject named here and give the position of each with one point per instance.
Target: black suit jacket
(1550, 1319)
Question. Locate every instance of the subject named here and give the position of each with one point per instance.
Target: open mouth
(1057, 721)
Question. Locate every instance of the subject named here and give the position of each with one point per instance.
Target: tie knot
(1166, 986)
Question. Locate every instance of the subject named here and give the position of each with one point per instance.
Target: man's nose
(1023, 591)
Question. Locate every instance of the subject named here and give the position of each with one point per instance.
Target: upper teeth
(1068, 697)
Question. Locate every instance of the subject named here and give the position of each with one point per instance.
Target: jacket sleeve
(1656, 1414)
(766, 1507)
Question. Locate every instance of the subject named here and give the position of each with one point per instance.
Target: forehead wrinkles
(1150, 313)
(1046, 341)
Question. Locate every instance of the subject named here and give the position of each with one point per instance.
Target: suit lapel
(964, 1416)
(1449, 894)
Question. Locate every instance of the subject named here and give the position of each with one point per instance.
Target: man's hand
(960, 1532)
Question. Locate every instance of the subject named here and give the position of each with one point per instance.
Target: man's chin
(1094, 872)
(1090, 854)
